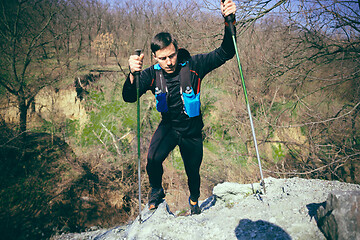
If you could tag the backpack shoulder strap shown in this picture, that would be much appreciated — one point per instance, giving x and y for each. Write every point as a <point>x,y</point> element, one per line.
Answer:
<point>185,77</point>
<point>160,81</point>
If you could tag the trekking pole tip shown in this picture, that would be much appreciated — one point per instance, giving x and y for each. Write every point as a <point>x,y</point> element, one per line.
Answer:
<point>262,183</point>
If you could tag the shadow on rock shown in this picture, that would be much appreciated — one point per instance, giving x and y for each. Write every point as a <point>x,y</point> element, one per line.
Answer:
<point>260,230</point>
<point>208,203</point>
<point>313,207</point>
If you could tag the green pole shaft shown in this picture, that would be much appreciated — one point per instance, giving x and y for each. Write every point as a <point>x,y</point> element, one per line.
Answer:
<point>139,153</point>
<point>249,111</point>
<point>138,148</point>
<point>137,80</point>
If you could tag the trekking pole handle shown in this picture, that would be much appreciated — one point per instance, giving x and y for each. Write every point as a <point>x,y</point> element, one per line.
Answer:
<point>230,22</point>
<point>137,73</point>
<point>138,52</point>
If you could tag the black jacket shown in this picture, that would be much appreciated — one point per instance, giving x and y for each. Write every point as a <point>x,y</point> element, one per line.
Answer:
<point>200,65</point>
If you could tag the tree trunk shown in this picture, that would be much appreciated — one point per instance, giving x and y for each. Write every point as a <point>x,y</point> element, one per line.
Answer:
<point>23,117</point>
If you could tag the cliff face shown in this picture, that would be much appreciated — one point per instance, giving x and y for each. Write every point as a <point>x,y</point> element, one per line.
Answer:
<point>50,104</point>
<point>236,211</point>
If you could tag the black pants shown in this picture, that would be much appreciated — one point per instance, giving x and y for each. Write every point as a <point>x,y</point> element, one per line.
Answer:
<point>164,140</point>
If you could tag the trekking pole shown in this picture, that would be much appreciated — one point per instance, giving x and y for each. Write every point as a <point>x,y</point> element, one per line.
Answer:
<point>137,80</point>
<point>230,19</point>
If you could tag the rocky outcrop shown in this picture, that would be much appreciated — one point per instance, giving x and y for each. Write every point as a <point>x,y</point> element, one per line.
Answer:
<point>339,218</point>
<point>288,210</point>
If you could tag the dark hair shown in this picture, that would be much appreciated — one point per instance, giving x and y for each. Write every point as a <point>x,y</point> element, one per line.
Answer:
<point>162,40</point>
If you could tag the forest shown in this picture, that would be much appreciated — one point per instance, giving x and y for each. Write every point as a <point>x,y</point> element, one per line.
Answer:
<point>68,150</point>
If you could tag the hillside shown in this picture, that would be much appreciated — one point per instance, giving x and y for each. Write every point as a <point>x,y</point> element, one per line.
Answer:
<point>97,184</point>
<point>286,211</point>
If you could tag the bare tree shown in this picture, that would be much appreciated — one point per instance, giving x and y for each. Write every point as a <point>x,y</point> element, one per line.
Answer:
<point>26,64</point>
<point>320,70</point>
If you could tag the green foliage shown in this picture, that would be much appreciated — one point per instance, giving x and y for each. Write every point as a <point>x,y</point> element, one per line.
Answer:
<point>278,106</point>
<point>357,141</point>
<point>113,115</point>
<point>207,103</point>
<point>271,131</point>
<point>176,159</point>
<point>211,146</point>
<point>303,130</point>
<point>2,91</point>
<point>289,107</point>
<point>67,128</point>
<point>236,152</point>
<point>241,156</point>
<point>219,137</point>
<point>277,152</point>
<point>46,126</point>
<point>254,108</point>
<point>72,126</point>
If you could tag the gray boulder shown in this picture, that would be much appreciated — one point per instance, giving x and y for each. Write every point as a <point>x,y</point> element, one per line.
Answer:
<point>340,218</point>
<point>236,211</point>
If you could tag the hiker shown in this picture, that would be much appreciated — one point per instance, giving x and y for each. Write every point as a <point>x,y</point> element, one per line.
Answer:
<point>175,81</point>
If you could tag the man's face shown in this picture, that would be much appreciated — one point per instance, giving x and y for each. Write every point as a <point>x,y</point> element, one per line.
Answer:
<point>167,58</point>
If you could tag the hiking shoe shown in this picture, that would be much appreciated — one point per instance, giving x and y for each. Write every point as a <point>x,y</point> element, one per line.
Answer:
<point>156,197</point>
<point>194,207</point>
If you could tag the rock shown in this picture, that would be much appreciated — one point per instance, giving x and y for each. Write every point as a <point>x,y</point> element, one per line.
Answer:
<point>230,193</point>
<point>237,211</point>
<point>340,218</point>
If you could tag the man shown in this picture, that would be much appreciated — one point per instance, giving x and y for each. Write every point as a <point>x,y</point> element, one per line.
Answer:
<point>175,81</point>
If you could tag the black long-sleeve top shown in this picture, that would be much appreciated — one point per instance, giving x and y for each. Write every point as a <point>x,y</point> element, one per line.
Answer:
<point>200,65</point>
